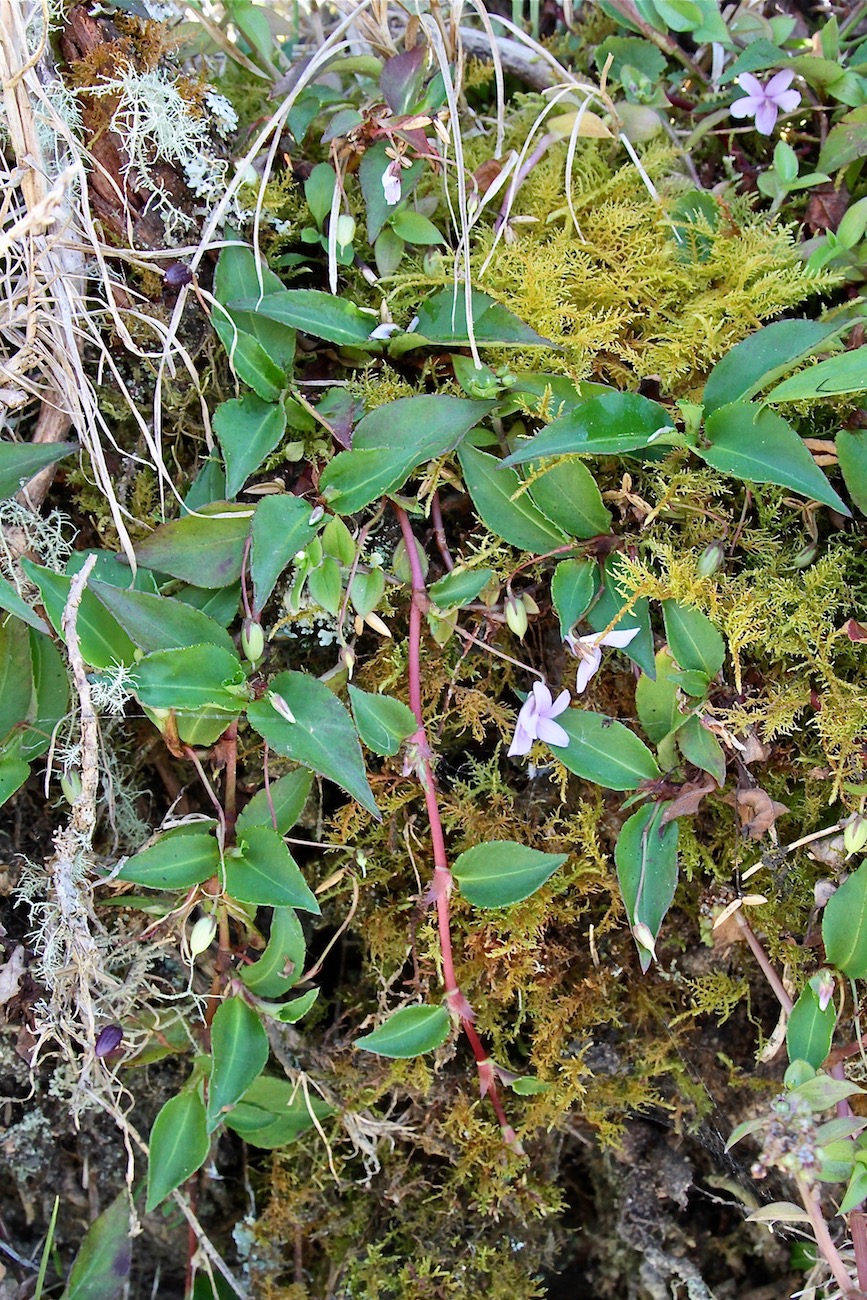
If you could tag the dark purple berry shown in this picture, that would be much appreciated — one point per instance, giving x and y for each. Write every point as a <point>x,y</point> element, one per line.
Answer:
<point>108,1039</point>
<point>177,275</point>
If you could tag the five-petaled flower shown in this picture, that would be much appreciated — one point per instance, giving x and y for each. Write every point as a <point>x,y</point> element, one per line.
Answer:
<point>589,650</point>
<point>764,102</point>
<point>536,720</point>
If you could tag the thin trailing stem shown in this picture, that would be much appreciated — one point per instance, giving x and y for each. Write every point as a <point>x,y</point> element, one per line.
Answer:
<point>823,1236</point>
<point>764,961</point>
<point>442,877</point>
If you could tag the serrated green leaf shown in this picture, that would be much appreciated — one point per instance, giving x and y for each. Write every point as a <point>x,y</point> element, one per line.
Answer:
<point>239,1051</point>
<point>844,925</point>
<point>282,963</point>
<point>102,641</point>
<point>460,587</point>
<point>178,1146</point>
<point>383,723</point>
<point>604,751</point>
<point>249,430</point>
<point>692,638</point>
<point>573,587</point>
<point>174,862</point>
<point>809,1031</point>
<point>646,858</point>
<point>281,528</point>
<point>656,701</point>
<point>500,873</point>
<point>322,736</point>
<point>756,445</point>
<point>410,1032</point>
<point>610,423</point>
<point>286,797</point>
<point>159,623</point>
<point>205,549</point>
<point>518,522</point>
<point>264,872</point>
<point>567,494</point>
<point>19,461</point>
<point>191,679</point>
<point>763,357</point>
<point>101,1267</point>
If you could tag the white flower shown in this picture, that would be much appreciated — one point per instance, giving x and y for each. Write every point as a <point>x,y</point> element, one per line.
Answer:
<point>536,720</point>
<point>391,184</point>
<point>589,650</point>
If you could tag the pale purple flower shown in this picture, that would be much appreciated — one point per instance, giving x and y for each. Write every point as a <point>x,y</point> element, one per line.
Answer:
<point>589,650</point>
<point>391,183</point>
<point>536,720</point>
<point>765,102</point>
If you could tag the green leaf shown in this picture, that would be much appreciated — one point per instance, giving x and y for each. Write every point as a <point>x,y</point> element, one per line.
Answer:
<point>287,797</point>
<point>204,549</point>
<point>219,603</point>
<point>701,748</point>
<point>192,678</point>
<point>265,872</point>
<point>414,228</point>
<point>174,862</point>
<point>383,723</point>
<point>856,1192</point>
<point>102,1265</point>
<point>16,675</point>
<point>319,191</point>
<point>13,604</point>
<point>500,873</point>
<point>179,1145</point>
<point>692,638</point>
<point>604,751</point>
<point>101,639</point>
<point>809,1030</point>
<point>367,591</point>
<point>282,963</point>
<point>50,697</point>
<point>460,587</point>
<point>517,522</point>
<point>852,455</point>
<point>19,461</point>
<point>391,441</point>
<point>239,1049</point>
<point>13,773</point>
<point>609,424</point>
<point>844,926</point>
<point>273,1113</point>
<point>442,319</point>
<point>846,373</point>
<point>756,445</point>
<point>573,587</point>
<point>281,528</point>
<point>261,351</point>
<point>249,430</point>
<point>337,320</point>
<point>646,858</point>
<point>322,737</point>
<point>326,585</point>
<point>410,1032</point>
<point>370,171</point>
<point>160,623</point>
<point>763,357</point>
<point>567,494</point>
<point>845,142</point>
<point>289,1013</point>
<point>656,701</point>
<point>606,608</point>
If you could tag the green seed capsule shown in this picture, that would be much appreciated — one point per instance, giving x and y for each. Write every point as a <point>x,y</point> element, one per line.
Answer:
<point>855,834</point>
<point>252,640</point>
<point>711,559</point>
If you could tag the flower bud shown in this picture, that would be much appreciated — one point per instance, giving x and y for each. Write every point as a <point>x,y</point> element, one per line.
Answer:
<point>806,556</point>
<point>70,784</point>
<point>516,615</point>
<point>108,1040</point>
<point>711,559</point>
<point>202,934</point>
<point>823,985</point>
<point>279,705</point>
<point>644,937</point>
<point>855,834</point>
<point>252,640</point>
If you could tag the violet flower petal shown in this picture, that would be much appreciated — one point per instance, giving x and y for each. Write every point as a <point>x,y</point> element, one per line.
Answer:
<point>766,117</point>
<point>552,733</point>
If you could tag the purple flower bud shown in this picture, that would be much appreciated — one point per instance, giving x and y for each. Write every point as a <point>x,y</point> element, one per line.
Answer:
<point>108,1040</point>
<point>177,275</point>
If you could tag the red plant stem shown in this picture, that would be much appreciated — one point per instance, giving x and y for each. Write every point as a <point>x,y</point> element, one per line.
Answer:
<point>440,532</point>
<point>454,996</point>
<point>762,958</point>
<point>245,598</point>
<point>823,1237</point>
<point>230,797</point>
<point>858,1233</point>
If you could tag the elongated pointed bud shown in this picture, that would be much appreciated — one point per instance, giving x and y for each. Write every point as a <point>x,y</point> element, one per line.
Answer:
<point>202,934</point>
<point>252,640</point>
<point>516,615</point>
<point>279,705</point>
<point>823,985</point>
<point>70,784</point>
<point>855,834</point>
<point>711,559</point>
<point>643,936</point>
